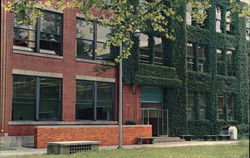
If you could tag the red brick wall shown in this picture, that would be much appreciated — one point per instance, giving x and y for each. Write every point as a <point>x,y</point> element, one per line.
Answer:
<point>108,135</point>
<point>131,103</point>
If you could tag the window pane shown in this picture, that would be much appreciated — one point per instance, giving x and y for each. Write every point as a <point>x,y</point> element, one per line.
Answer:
<point>85,100</point>
<point>144,49</point>
<point>103,53</point>
<point>50,41</point>
<point>102,32</point>
<point>105,92</point>
<point>190,50</point>
<point>23,106</point>
<point>190,99</point>
<point>49,88</point>
<point>49,109</point>
<point>50,103</point>
<point>201,52</point>
<point>84,49</point>
<point>104,113</point>
<point>84,30</point>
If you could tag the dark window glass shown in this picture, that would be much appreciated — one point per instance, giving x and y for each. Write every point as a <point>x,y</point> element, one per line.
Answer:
<point>84,100</point>
<point>220,111</point>
<point>104,101</point>
<point>230,107</point>
<point>190,105</point>
<point>201,59</point>
<point>229,63</point>
<point>44,37</point>
<point>202,102</point>
<point>190,56</point>
<point>23,107</point>
<point>49,99</point>
<point>94,94</point>
<point>36,98</point>
<point>220,65</point>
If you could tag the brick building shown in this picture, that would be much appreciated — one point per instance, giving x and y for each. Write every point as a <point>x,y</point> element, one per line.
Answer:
<point>50,90</point>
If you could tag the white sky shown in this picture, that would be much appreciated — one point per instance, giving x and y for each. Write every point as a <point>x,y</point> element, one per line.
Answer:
<point>246,1</point>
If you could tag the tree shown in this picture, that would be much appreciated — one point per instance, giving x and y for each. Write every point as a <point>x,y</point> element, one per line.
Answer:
<point>122,16</point>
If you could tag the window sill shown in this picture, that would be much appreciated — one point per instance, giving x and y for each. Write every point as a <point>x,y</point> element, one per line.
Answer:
<point>104,62</point>
<point>84,122</point>
<point>36,54</point>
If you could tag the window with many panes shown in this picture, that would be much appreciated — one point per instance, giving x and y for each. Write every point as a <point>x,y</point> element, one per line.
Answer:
<point>151,49</point>
<point>220,106</point>
<point>196,57</point>
<point>43,37</point>
<point>203,105</point>
<point>94,100</point>
<point>36,98</point>
<point>91,38</point>
<point>190,106</point>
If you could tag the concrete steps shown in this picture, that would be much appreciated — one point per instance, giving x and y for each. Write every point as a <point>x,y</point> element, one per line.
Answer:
<point>166,139</point>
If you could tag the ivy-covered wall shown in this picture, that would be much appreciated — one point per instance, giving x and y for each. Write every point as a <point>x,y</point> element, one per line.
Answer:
<point>177,80</point>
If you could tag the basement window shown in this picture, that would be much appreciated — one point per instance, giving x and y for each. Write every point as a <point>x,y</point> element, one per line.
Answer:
<point>43,37</point>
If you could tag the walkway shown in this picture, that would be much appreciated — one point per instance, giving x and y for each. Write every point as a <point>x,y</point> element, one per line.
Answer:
<point>32,151</point>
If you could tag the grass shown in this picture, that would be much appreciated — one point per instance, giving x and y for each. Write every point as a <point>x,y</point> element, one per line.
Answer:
<point>216,151</point>
<point>2,149</point>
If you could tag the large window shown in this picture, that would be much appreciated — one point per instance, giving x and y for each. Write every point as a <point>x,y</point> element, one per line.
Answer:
<point>151,49</point>
<point>91,38</point>
<point>94,100</point>
<point>43,37</point>
<point>225,106</point>
<point>196,57</point>
<point>36,98</point>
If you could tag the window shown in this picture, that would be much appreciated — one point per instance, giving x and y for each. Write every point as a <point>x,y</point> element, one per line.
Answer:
<point>190,57</point>
<point>94,100</point>
<point>220,65</point>
<point>36,98</point>
<point>43,37</point>
<point>201,59</point>
<point>218,19</point>
<point>229,63</point>
<point>188,14</point>
<point>220,111</point>
<point>190,105</point>
<point>230,106</point>
<point>151,49</point>
<point>203,105</point>
<point>90,41</point>
<point>228,23</point>
<point>247,30</point>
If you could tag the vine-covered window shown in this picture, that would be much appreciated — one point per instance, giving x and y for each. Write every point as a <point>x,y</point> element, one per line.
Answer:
<point>151,49</point>
<point>229,63</point>
<point>94,100</point>
<point>218,19</point>
<point>230,106</point>
<point>203,106</point>
<point>190,106</point>
<point>91,38</point>
<point>220,65</point>
<point>247,30</point>
<point>36,98</point>
<point>190,57</point>
<point>201,59</point>
<point>43,37</point>
<point>220,106</point>
<point>188,15</point>
<point>228,23</point>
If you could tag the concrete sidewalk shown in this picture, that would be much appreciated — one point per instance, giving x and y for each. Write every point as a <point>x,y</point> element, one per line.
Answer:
<point>32,151</point>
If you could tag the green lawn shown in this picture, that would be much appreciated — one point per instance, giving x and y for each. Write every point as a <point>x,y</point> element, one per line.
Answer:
<point>218,151</point>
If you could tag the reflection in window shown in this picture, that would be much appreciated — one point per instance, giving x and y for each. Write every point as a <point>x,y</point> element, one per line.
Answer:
<point>218,19</point>
<point>91,38</point>
<point>190,57</point>
<point>43,37</point>
<point>247,30</point>
<point>36,98</point>
<point>94,98</point>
